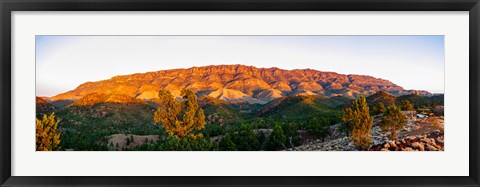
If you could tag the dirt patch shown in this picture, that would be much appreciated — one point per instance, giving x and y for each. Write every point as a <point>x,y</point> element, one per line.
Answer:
<point>124,141</point>
<point>421,126</point>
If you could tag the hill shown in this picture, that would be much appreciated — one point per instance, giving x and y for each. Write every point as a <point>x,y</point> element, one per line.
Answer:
<point>43,106</point>
<point>85,127</point>
<point>238,83</point>
<point>303,107</point>
<point>95,98</point>
<point>219,112</point>
<point>381,96</point>
<point>418,100</point>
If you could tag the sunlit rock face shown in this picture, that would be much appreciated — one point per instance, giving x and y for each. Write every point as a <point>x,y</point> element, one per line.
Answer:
<point>237,83</point>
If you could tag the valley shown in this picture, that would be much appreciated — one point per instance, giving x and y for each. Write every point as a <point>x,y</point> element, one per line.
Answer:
<point>244,108</point>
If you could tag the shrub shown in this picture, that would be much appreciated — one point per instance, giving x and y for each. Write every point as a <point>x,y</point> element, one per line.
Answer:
<point>319,128</point>
<point>392,121</point>
<point>358,122</point>
<point>227,144</point>
<point>47,137</point>
<point>179,118</point>
<point>245,139</point>
<point>276,140</point>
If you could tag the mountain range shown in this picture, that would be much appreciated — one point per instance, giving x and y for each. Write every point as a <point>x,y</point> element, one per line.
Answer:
<point>234,84</point>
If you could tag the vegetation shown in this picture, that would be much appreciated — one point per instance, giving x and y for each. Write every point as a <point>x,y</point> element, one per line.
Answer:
<point>392,121</point>
<point>227,144</point>
<point>319,128</point>
<point>245,139</point>
<point>47,137</point>
<point>179,117</point>
<point>276,141</point>
<point>211,124</point>
<point>436,124</point>
<point>358,122</point>
<point>406,105</point>
<point>379,108</point>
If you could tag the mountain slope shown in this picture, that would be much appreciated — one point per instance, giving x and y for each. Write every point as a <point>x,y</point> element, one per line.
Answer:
<point>43,106</point>
<point>238,83</point>
<point>303,107</point>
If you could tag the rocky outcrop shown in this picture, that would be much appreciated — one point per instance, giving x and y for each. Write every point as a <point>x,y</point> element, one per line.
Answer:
<point>95,98</point>
<point>237,83</point>
<point>429,142</point>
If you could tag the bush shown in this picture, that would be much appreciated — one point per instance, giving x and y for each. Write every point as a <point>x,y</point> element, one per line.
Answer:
<point>188,143</point>
<point>392,121</point>
<point>245,139</point>
<point>291,133</point>
<point>276,140</point>
<point>319,128</point>
<point>227,144</point>
<point>357,122</point>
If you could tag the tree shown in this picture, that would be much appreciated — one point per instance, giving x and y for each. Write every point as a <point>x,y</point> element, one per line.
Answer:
<point>346,125</point>
<point>245,139</point>
<point>291,132</point>
<point>379,108</point>
<point>406,105</point>
<point>393,120</point>
<point>358,122</point>
<point>276,140</point>
<point>128,141</point>
<point>318,128</point>
<point>227,144</point>
<point>47,137</point>
<point>179,117</point>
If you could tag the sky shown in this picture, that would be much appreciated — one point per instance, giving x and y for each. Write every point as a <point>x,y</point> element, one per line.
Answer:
<point>65,62</point>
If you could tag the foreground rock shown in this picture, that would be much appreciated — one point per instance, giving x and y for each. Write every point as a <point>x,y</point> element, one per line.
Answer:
<point>429,142</point>
<point>340,144</point>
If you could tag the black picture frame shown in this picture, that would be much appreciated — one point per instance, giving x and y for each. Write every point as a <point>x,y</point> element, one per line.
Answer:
<point>7,6</point>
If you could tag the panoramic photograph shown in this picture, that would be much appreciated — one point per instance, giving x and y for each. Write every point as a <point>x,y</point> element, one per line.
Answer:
<point>239,93</point>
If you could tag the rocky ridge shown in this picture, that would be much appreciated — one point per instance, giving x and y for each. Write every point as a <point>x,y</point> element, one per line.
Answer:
<point>238,83</point>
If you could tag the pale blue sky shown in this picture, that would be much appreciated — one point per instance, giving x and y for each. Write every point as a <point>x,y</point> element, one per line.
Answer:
<point>64,62</point>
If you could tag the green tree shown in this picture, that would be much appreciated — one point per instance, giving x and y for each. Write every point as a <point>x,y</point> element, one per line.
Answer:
<point>245,139</point>
<point>406,105</point>
<point>276,140</point>
<point>47,136</point>
<point>227,144</point>
<point>187,143</point>
<point>291,132</point>
<point>179,117</point>
<point>379,108</point>
<point>358,122</point>
<point>392,120</point>
<point>318,128</point>
<point>128,141</point>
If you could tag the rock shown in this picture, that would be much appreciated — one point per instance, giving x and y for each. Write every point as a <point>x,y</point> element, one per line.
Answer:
<point>440,141</point>
<point>392,144</point>
<point>431,148</point>
<point>407,149</point>
<point>387,145</point>
<point>239,80</point>
<point>419,146</point>
<point>411,138</point>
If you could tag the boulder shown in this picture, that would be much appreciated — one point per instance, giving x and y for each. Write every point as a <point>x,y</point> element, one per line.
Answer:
<point>431,148</point>
<point>419,146</point>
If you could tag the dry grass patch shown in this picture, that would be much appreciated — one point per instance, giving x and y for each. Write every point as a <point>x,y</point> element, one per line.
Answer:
<point>121,141</point>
